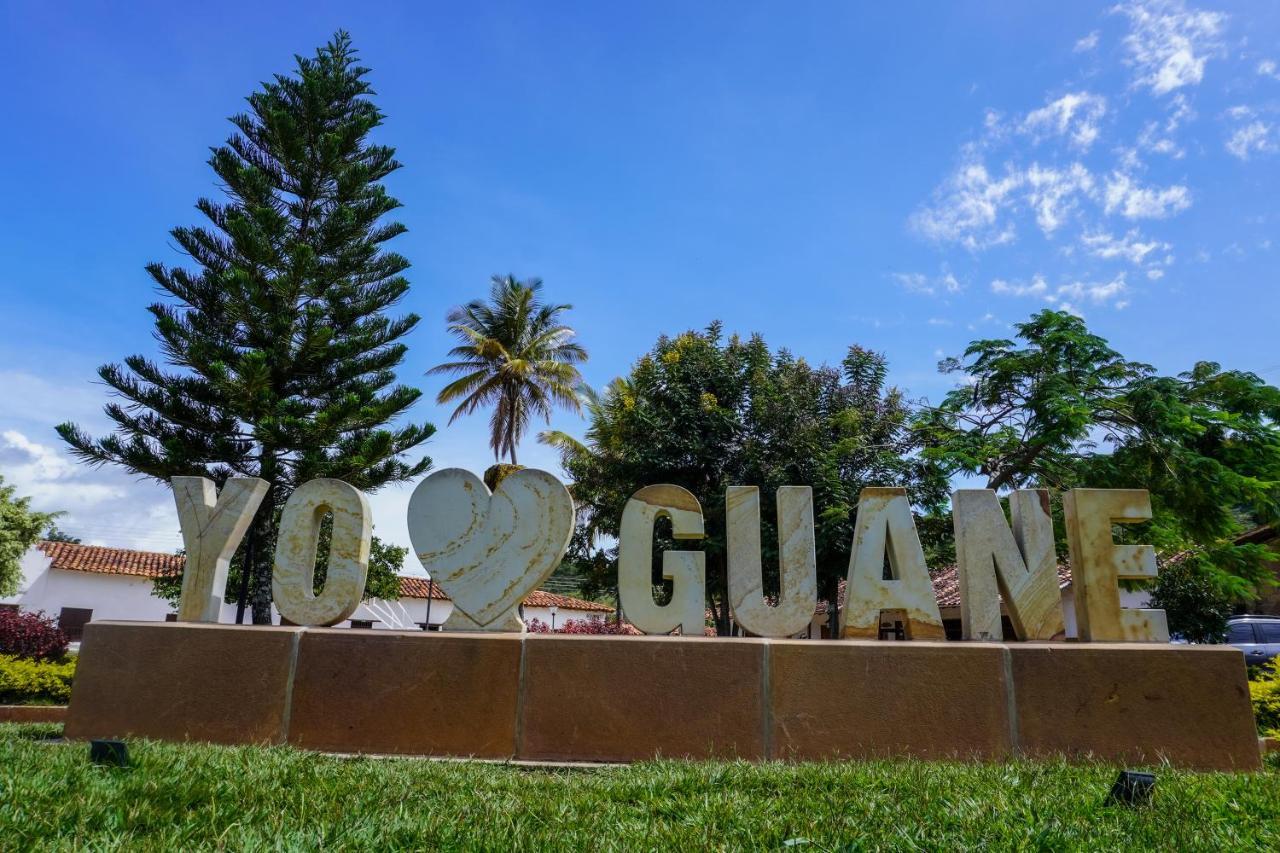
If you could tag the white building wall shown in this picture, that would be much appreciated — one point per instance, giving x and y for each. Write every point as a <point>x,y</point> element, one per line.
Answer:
<point>128,597</point>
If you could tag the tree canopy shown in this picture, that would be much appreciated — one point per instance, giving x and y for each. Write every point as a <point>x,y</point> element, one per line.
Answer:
<point>516,355</point>
<point>279,349</point>
<point>704,413</point>
<point>20,528</point>
<point>1060,409</point>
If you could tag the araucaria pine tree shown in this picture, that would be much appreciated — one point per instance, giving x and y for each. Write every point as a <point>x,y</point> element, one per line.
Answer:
<point>280,351</point>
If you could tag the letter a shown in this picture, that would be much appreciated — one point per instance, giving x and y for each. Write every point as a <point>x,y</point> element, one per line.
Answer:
<point>884,527</point>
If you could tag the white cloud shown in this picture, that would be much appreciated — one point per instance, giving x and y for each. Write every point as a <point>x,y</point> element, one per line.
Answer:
<point>102,506</point>
<point>938,321</point>
<point>1132,201</point>
<point>1151,140</point>
<point>915,282</point>
<point>1037,287</point>
<point>1067,296</point>
<point>1052,193</point>
<point>1087,43</point>
<point>1131,247</point>
<point>1169,44</point>
<point>1252,138</point>
<point>967,207</point>
<point>1267,68</point>
<point>1075,115</point>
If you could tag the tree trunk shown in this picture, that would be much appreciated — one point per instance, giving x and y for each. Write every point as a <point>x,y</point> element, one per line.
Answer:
<point>264,544</point>
<point>833,608</point>
<point>264,556</point>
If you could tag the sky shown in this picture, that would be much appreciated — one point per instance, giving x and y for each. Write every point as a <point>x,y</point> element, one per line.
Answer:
<point>907,176</point>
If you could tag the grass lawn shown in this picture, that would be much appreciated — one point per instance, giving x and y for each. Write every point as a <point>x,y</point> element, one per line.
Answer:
<point>185,797</point>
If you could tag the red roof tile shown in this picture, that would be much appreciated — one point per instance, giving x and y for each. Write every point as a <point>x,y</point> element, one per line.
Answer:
<point>417,587</point>
<point>71,557</point>
<point>946,586</point>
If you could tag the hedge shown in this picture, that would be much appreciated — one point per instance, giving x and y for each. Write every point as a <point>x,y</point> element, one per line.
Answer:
<point>24,681</point>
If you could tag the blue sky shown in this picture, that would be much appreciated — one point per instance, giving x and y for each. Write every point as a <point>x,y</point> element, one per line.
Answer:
<point>905,176</point>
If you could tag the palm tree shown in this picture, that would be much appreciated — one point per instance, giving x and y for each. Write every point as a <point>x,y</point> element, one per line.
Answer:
<point>515,355</point>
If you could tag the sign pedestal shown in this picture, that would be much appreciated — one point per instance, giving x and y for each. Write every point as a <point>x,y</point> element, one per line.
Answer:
<point>593,699</point>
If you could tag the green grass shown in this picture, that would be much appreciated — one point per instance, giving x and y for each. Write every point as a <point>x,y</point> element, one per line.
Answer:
<point>189,797</point>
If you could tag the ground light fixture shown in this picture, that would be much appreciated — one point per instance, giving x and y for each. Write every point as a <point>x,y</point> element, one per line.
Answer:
<point>109,753</point>
<point>1132,788</point>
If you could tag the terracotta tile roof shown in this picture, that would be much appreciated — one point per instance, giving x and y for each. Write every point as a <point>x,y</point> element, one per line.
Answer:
<point>417,587</point>
<point>542,598</point>
<point>946,586</point>
<point>71,557</point>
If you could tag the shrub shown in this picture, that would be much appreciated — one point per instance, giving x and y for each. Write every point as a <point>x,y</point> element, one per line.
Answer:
<point>24,681</point>
<point>1264,690</point>
<point>582,626</point>
<point>31,635</point>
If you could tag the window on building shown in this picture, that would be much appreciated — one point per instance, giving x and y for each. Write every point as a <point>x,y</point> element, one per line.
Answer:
<point>72,621</point>
<point>362,623</point>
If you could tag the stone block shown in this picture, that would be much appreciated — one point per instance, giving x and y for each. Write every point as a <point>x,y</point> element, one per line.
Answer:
<point>1135,704</point>
<point>32,713</point>
<point>182,681</point>
<point>632,698</point>
<point>411,692</point>
<point>873,699</point>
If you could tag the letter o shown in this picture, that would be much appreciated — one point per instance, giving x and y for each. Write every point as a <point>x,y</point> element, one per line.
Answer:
<point>293,581</point>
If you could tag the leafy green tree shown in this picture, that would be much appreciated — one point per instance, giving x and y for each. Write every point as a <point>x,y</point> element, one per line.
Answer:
<point>703,413</point>
<point>57,534</point>
<point>1194,602</point>
<point>383,581</point>
<point>20,528</point>
<point>516,355</point>
<point>1063,410</point>
<point>282,350</point>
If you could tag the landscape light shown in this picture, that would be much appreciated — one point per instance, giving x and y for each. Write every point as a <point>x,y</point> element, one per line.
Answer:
<point>109,753</point>
<point>1132,787</point>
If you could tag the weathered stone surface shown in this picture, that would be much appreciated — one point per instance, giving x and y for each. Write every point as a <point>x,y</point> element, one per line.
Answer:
<point>32,713</point>
<point>547,697</point>
<point>488,551</point>
<point>181,681</point>
<point>868,699</point>
<point>1097,563</point>
<point>884,527</point>
<point>293,579</point>
<point>1019,564</point>
<point>630,698</point>
<point>212,526</point>
<point>1135,704</point>
<point>798,565</point>
<point>685,569</point>
<point>417,693</point>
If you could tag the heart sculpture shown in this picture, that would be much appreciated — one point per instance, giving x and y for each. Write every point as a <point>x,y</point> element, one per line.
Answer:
<point>489,551</point>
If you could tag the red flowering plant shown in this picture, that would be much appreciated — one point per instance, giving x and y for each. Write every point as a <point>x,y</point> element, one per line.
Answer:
<point>582,626</point>
<point>31,635</point>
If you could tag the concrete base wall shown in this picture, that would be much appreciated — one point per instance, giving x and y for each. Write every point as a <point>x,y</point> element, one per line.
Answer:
<point>584,698</point>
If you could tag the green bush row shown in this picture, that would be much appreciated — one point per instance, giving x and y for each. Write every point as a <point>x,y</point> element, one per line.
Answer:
<point>1264,690</point>
<point>32,682</point>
